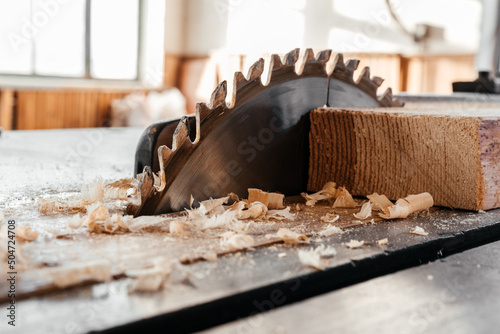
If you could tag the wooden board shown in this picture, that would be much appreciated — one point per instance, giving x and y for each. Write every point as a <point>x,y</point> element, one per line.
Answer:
<point>452,152</point>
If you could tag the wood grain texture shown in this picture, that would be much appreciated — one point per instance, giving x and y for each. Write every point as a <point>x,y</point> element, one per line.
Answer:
<point>452,153</point>
<point>56,109</point>
<point>7,109</point>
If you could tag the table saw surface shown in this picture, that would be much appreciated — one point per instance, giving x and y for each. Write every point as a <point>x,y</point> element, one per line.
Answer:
<point>373,281</point>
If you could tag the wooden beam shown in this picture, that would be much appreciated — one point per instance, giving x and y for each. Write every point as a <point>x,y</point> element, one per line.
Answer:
<point>451,152</point>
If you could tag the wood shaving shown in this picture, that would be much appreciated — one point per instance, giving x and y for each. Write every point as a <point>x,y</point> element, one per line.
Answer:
<point>93,192</point>
<point>176,227</point>
<point>255,210</point>
<point>292,237</point>
<point>238,241</point>
<point>75,273</point>
<point>382,242</point>
<point>365,212</point>
<point>282,255</point>
<point>297,207</point>
<point>330,230</point>
<point>270,200</point>
<point>344,199</point>
<point>408,205</point>
<point>328,192</point>
<point>315,257</point>
<point>26,233</point>
<point>151,279</point>
<point>354,244</point>
<point>280,214</point>
<point>379,202</point>
<point>210,256</point>
<point>121,189</point>
<point>330,218</point>
<point>419,231</point>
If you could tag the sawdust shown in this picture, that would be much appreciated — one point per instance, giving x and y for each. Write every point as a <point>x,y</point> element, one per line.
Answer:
<point>330,230</point>
<point>382,242</point>
<point>237,241</point>
<point>330,217</point>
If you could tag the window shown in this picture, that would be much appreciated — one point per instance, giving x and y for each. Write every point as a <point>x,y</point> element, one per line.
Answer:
<point>92,39</point>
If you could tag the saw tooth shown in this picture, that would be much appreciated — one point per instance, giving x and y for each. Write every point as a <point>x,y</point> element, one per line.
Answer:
<point>352,64</point>
<point>256,69</point>
<point>377,81</point>
<point>324,56</point>
<point>181,134</point>
<point>309,55</point>
<point>365,74</point>
<point>146,183</point>
<point>202,110</point>
<point>239,80</point>
<point>275,62</point>
<point>219,94</point>
<point>292,57</point>
<point>164,155</point>
<point>386,99</point>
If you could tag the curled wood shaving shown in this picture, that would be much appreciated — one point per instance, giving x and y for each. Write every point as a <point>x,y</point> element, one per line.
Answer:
<point>344,199</point>
<point>379,202</point>
<point>93,192</point>
<point>327,192</point>
<point>292,237</point>
<point>75,273</point>
<point>330,218</point>
<point>26,233</point>
<point>255,210</point>
<point>419,231</point>
<point>270,200</point>
<point>280,214</point>
<point>315,257</point>
<point>365,212</point>
<point>237,241</point>
<point>354,244</point>
<point>121,189</point>
<point>405,206</point>
<point>330,230</point>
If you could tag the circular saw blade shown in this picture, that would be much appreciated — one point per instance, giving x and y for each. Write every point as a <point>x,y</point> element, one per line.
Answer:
<point>260,140</point>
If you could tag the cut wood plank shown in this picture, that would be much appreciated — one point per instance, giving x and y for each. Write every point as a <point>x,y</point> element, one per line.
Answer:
<point>452,153</point>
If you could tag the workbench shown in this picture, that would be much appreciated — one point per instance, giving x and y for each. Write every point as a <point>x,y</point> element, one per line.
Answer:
<point>391,288</point>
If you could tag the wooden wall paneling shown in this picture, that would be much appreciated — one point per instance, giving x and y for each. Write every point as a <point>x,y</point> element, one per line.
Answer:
<point>436,73</point>
<point>171,70</point>
<point>7,109</point>
<point>197,80</point>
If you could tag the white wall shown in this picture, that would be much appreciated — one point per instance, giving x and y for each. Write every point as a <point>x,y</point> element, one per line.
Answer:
<point>260,26</point>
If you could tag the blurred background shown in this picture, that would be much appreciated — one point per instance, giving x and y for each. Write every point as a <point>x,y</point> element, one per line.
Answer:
<point>92,63</point>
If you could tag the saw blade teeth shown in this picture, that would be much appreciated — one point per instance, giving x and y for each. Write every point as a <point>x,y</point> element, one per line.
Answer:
<point>164,155</point>
<point>352,64</point>
<point>202,110</point>
<point>239,80</point>
<point>275,62</point>
<point>309,55</point>
<point>219,94</point>
<point>324,56</point>
<point>256,69</point>
<point>146,183</point>
<point>292,57</point>
<point>181,134</point>
<point>386,99</point>
<point>377,81</point>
